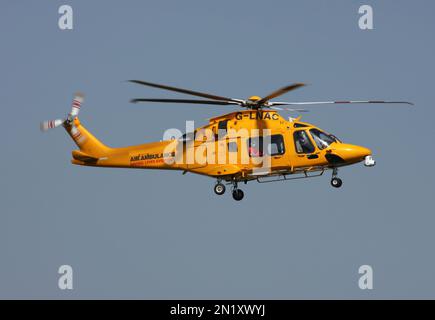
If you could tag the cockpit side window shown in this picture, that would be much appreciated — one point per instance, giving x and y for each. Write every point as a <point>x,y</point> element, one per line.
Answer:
<point>303,143</point>
<point>322,139</point>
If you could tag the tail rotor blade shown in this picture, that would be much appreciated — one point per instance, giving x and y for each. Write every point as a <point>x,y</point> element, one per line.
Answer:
<point>76,104</point>
<point>51,124</point>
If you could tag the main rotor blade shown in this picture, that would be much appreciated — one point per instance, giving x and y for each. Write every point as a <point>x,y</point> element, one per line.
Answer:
<point>187,101</point>
<point>336,102</point>
<point>185,91</point>
<point>279,92</point>
<point>289,109</point>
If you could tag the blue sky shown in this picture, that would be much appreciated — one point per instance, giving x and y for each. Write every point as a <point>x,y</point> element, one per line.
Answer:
<point>153,234</point>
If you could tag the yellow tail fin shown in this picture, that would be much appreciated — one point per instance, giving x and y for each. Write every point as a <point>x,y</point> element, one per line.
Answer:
<point>86,141</point>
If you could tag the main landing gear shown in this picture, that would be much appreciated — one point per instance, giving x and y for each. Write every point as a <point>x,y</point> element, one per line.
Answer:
<point>238,194</point>
<point>219,189</point>
<point>335,181</point>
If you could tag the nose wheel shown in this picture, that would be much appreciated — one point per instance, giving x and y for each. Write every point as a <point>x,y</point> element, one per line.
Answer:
<point>335,181</point>
<point>219,189</point>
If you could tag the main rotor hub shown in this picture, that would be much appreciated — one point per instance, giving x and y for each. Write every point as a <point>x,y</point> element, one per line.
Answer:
<point>254,98</point>
<point>252,104</point>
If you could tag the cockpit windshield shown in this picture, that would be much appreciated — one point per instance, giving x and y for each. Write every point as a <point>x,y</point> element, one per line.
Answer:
<point>322,139</point>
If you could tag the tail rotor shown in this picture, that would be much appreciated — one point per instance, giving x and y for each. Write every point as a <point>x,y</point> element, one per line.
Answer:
<point>76,104</point>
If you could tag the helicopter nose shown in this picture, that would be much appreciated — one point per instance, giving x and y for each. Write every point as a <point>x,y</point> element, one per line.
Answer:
<point>352,153</point>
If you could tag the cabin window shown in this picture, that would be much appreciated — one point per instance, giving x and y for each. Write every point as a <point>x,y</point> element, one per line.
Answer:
<point>223,125</point>
<point>222,128</point>
<point>188,136</point>
<point>255,147</point>
<point>275,146</point>
<point>303,144</point>
<point>232,146</point>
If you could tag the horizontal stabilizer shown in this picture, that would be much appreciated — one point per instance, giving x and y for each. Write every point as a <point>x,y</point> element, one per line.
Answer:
<point>81,156</point>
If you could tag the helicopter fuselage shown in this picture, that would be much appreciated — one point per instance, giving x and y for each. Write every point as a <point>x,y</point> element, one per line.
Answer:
<point>239,146</point>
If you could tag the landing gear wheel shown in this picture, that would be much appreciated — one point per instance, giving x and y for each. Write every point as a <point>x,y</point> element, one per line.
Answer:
<point>219,189</point>
<point>238,194</point>
<point>336,182</point>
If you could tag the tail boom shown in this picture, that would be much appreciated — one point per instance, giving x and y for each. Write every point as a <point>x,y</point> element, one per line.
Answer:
<point>94,153</point>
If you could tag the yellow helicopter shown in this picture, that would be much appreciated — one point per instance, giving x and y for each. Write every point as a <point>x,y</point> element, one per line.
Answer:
<point>255,143</point>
